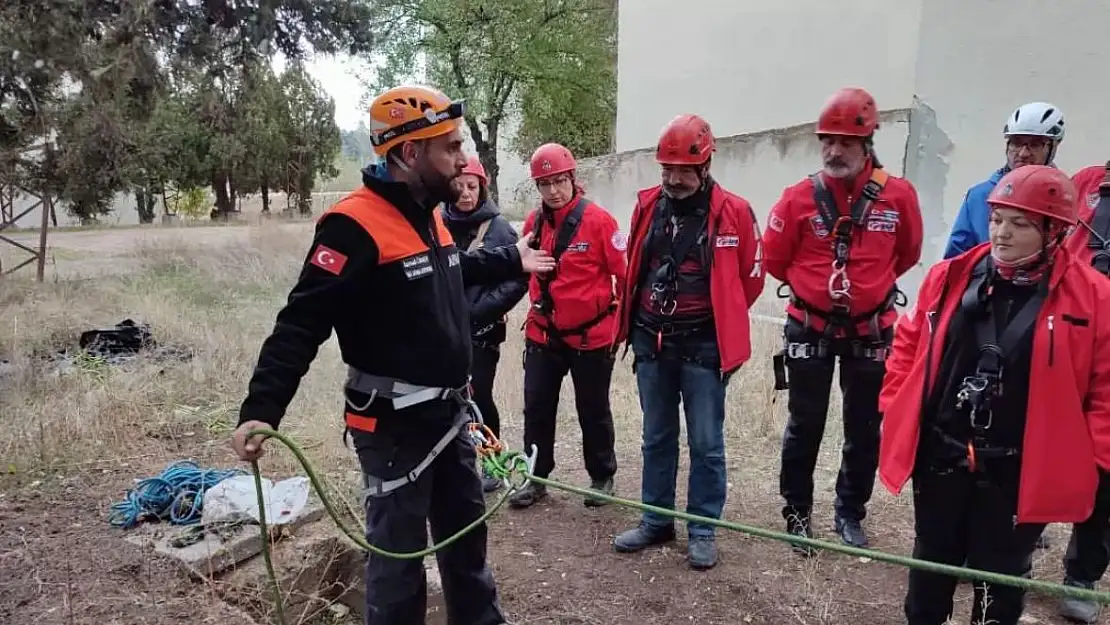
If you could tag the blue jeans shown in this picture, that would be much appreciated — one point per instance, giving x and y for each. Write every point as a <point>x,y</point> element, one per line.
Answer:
<point>687,369</point>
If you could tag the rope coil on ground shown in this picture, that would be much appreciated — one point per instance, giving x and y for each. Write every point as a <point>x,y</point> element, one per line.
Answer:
<point>515,469</point>
<point>176,494</point>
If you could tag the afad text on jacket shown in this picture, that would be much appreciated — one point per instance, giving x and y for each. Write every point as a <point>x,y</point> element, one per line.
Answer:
<point>798,247</point>
<point>1067,431</point>
<point>735,274</point>
<point>583,287</point>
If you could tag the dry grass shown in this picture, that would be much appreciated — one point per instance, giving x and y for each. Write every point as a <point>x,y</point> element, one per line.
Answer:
<point>219,301</point>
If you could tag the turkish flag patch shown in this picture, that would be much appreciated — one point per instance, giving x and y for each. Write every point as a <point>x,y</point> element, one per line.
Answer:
<point>328,259</point>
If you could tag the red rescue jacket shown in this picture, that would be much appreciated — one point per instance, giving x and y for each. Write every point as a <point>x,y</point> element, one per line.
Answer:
<point>1087,181</point>
<point>798,247</point>
<point>735,273</point>
<point>583,287</point>
<point>1067,428</point>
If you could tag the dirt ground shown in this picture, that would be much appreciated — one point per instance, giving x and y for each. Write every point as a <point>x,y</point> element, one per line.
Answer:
<point>61,563</point>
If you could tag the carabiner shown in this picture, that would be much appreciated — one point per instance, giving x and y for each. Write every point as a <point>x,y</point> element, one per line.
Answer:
<point>844,289</point>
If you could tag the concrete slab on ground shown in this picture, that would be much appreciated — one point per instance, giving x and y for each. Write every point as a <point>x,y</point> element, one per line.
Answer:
<point>217,549</point>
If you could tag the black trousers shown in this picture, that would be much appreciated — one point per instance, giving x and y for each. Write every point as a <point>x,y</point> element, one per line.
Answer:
<point>808,404</point>
<point>960,515</point>
<point>1088,550</point>
<point>591,372</point>
<point>448,496</point>
<point>483,372</point>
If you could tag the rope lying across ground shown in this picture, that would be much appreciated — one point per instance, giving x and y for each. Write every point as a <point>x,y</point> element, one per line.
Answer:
<point>516,470</point>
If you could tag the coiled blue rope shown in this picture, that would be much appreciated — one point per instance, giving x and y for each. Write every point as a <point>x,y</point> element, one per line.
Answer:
<point>177,495</point>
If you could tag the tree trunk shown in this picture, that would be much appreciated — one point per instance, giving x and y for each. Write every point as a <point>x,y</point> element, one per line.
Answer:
<point>224,205</point>
<point>265,200</point>
<point>144,205</point>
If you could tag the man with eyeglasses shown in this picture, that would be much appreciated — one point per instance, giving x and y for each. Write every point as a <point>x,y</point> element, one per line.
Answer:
<point>385,274</point>
<point>1033,134</point>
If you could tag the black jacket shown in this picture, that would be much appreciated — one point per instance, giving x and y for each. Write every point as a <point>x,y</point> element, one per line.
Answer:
<point>410,326</point>
<point>488,302</point>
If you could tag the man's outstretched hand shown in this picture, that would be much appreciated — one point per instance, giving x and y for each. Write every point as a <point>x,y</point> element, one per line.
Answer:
<point>533,261</point>
<point>249,449</point>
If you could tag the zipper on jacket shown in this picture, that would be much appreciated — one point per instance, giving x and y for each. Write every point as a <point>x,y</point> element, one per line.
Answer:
<point>1051,339</point>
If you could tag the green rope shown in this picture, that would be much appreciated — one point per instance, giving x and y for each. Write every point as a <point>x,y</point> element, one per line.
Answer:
<point>514,468</point>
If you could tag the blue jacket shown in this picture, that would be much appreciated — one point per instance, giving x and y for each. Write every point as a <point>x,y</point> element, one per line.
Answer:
<point>488,302</point>
<point>971,227</point>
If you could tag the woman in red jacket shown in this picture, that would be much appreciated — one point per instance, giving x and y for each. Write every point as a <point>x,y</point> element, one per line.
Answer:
<point>571,323</point>
<point>996,398</point>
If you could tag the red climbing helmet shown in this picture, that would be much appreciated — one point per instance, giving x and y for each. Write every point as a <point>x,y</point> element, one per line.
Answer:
<point>850,111</point>
<point>686,140</point>
<point>474,168</point>
<point>550,159</point>
<point>1038,189</point>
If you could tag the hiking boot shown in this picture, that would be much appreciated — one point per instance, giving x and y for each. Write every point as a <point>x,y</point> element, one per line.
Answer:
<point>639,538</point>
<point>491,484</point>
<point>1078,610</point>
<point>701,553</point>
<point>850,531</point>
<point>604,486</point>
<point>530,494</point>
<point>797,524</point>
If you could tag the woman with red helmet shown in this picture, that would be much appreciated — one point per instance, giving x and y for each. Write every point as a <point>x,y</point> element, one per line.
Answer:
<point>996,399</point>
<point>570,324</point>
<point>475,222</point>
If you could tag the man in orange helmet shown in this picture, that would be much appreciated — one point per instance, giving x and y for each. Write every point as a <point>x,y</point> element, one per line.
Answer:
<point>385,274</point>
<point>694,261</point>
<point>839,240</point>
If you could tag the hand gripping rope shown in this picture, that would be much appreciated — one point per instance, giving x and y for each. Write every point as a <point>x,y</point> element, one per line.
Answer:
<point>515,469</point>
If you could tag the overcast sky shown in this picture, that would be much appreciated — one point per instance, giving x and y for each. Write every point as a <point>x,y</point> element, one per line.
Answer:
<point>343,78</point>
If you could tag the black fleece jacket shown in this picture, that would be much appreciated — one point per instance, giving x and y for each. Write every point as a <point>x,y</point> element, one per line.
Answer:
<point>488,302</point>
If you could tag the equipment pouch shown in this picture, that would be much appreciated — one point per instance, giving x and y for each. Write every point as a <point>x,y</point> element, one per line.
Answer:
<point>781,382</point>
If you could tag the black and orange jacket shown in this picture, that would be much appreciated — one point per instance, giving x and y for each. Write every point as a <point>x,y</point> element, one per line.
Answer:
<point>385,274</point>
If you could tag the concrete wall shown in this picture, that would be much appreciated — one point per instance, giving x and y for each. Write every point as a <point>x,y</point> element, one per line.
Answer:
<point>748,66</point>
<point>757,166</point>
<point>977,61</point>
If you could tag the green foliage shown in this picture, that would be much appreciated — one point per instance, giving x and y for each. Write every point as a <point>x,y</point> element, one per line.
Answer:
<point>99,98</point>
<point>551,61</point>
<point>192,202</point>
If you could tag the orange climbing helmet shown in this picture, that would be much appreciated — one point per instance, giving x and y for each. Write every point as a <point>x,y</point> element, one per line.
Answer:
<point>411,113</point>
<point>1040,189</point>
<point>686,140</point>
<point>850,111</point>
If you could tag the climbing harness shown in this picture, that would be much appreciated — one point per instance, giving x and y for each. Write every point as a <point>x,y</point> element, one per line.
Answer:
<point>1098,239</point>
<point>691,232</point>
<point>545,305</point>
<point>995,345</point>
<point>403,395</point>
<point>842,228</point>
<point>516,469</point>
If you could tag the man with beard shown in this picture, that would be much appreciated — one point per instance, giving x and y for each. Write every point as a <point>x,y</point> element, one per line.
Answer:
<point>694,273</point>
<point>384,272</point>
<point>838,240</point>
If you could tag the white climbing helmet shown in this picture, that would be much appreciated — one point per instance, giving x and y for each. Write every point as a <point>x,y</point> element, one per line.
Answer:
<point>1036,118</point>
